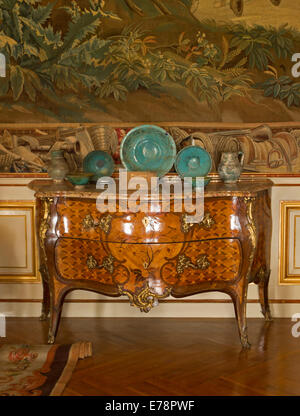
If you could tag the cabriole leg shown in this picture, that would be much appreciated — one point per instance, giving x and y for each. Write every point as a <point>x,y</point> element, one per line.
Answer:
<point>263,295</point>
<point>56,303</point>
<point>239,298</point>
<point>46,293</point>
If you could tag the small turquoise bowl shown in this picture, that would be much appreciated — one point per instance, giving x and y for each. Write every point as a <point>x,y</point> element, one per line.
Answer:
<point>193,161</point>
<point>99,163</point>
<point>79,178</point>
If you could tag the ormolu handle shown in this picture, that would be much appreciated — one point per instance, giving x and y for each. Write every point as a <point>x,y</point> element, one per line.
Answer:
<point>206,223</point>
<point>108,263</point>
<point>185,262</point>
<point>104,223</point>
<point>88,222</point>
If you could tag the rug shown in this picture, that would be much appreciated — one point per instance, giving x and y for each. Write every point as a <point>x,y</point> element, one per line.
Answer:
<point>41,370</point>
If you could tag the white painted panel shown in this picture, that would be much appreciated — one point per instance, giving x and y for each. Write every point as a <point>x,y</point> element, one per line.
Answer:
<point>16,245</point>
<point>13,242</point>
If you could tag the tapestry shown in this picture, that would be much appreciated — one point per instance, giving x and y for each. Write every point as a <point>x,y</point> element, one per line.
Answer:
<point>43,370</point>
<point>149,61</point>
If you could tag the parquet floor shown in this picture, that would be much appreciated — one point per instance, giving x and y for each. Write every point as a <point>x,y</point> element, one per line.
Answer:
<point>174,357</point>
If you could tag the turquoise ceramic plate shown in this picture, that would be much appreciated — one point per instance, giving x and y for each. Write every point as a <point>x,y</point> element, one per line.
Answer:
<point>99,163</point>
<point>148,148</point>
<point>193,161</point>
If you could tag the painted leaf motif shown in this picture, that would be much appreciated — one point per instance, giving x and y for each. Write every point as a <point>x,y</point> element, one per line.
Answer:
<point>78,30</point>
<point>16,81</point>
<point>269,92</point>
<point>6,40</point>
<point>42,13</point>
<point>276,90</point>
<point>29,87</point>
<point>4,86</point>
<point>285,92</point>
<point>290,100</point>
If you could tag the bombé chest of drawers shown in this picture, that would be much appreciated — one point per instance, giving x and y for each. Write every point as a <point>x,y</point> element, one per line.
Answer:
<point>148,256</point>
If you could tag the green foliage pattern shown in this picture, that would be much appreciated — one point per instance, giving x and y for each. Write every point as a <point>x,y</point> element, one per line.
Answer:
<point>215,63</point>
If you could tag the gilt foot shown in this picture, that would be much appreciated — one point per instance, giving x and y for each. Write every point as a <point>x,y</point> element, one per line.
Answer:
<point>267,314</point>
<point>245,343</point>
<point>44,316</point>
<point>51,339</point>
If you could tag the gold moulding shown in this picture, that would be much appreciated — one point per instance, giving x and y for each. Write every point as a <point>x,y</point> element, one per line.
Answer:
<point>44,225</point>
<point>289,275</point>
<point>251,223</point>
<point>252,231</point>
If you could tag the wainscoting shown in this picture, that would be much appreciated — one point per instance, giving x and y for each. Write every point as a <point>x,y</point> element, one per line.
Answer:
<point>290,242</point>
<point>18,254</point>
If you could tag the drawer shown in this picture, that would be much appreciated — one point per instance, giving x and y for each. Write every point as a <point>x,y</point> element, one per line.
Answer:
<point>72,261</point>
<point>221,220</point>
<point>164,265</point>
<point>204,261</point>
<point>81,219</point>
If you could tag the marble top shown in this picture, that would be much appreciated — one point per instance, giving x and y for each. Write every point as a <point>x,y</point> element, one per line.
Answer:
<point>246,187</point>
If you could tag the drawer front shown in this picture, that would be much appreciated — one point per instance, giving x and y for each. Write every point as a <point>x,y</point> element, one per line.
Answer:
<point>221,220</point>
<point>204,261</point>
<point>81,219</point>
<point>162,265</point>
<point>87,260</point>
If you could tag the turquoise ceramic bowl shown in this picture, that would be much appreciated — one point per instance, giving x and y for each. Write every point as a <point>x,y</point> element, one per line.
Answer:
<point>99,163</point>
<point>79,178</point>
<point>148,148</point>
<point>193,161</point>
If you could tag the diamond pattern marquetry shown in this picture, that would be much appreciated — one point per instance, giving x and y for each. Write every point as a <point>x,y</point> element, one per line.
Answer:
<point>72,257</point>
<point>223,212</point>
<point>71,219</point>
<point>222,257</point>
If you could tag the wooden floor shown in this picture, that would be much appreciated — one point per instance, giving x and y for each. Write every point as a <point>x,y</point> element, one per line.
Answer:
<point>173,357</point>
